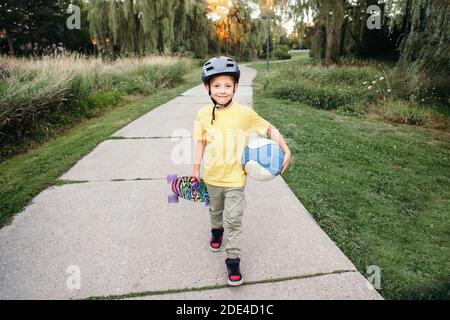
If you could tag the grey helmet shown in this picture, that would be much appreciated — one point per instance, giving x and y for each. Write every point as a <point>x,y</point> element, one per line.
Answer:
<point>220,66</point>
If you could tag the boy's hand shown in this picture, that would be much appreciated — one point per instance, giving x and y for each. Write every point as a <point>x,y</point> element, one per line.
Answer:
<point>196,173</point>
<point>286,162</point>
<point>276,136</point>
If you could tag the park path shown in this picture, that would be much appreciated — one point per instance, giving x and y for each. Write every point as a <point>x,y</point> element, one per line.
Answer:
<point>114,233</point>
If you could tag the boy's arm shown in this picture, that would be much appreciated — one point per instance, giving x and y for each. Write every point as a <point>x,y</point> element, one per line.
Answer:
<point>199,143</point>
<point>276,136</point>
<point>199,150</point>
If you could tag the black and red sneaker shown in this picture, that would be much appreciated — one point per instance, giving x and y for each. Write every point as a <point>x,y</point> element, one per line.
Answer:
<point>234,274</point>
<point>215,243</point>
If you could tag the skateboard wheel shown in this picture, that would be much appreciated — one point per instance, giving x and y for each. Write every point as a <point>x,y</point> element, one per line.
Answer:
<point>171,178</point>
<point>172,198</point>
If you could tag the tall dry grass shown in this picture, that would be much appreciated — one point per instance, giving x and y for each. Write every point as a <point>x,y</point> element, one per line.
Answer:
<point>38,95</point>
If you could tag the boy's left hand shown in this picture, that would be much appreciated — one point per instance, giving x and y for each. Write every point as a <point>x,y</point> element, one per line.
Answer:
<point>286,162</point>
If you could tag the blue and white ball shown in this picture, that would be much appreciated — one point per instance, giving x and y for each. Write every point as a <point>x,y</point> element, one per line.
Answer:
<point>263,159</point>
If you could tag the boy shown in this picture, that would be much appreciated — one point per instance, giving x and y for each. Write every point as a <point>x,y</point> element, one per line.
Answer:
<point>222,131</point>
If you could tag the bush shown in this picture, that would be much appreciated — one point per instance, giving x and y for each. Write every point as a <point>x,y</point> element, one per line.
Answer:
<point>321,97</point>
<point>323,88</point>
<point>355,88</point>
<point>282,52</point>
<point>37,98</point>
<point>411,113</point>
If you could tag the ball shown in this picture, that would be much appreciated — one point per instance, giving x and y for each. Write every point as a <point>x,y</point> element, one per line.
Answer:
<point>262,159</point>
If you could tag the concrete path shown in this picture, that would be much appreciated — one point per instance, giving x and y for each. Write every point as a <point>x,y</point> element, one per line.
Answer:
<point>116,234</point>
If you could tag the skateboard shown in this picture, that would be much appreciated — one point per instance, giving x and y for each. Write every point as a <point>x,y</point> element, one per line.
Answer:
<point>188,188</point>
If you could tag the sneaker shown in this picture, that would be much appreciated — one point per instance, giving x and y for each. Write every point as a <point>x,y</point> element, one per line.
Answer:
<point>215,243</point>
<point>234,274</point>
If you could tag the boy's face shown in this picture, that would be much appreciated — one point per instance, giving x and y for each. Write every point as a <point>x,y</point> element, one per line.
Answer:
<point>222,88</point>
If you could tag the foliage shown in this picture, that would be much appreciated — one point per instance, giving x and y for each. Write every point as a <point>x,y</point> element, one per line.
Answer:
<point>415,31</point>
<point>40,97</point>
<point>282,52</point>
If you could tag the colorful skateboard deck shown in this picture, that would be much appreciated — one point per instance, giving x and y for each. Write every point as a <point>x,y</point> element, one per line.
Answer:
<point>188,188</point>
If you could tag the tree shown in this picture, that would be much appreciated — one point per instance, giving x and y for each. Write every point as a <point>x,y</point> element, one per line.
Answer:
<point>417,29</point>
<point>330,19</point>
<point>425,47</point>
<point>149,26</point>
<point>236,32</point>
<point>341,29</point>
<point>194,30</point>
<point>10,17</point>
<point>31,26</point>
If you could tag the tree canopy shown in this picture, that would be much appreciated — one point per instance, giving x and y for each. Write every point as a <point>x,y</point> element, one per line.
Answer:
<point>415,32</point>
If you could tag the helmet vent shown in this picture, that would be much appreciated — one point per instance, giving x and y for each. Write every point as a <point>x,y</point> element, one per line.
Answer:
<point>230,65</point>
<point>209,68</point>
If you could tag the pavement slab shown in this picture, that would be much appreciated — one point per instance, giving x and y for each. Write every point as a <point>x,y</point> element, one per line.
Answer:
<point>135,159</point>
<point>158,127</point>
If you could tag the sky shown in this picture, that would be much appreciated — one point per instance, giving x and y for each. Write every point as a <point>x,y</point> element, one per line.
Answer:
<point>288,24</point>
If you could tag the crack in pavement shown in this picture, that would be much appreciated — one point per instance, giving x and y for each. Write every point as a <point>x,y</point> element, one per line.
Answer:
<point>165,137</point>
<point>66,181</point>
<point>215,287</point>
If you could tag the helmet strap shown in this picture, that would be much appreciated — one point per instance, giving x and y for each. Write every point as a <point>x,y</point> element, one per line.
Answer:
<point>217,105</point>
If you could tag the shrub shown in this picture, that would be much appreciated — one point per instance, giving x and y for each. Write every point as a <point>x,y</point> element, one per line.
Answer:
<point>323,88</point>
<point>37,97</point>
<point>356,88</point>
<point>401,111</point>
<point>282,52</point>
<point>321,97</point>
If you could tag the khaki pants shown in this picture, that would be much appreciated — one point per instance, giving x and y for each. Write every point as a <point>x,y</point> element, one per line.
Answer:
<point>226,207</point>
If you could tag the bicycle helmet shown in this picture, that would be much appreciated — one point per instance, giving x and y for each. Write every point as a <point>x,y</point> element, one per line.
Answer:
<point>216,67</point>
<point>220,66</point>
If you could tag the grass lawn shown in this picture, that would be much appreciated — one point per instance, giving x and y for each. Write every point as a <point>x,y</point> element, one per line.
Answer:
<point>381,191</point>
<point>24,176</point>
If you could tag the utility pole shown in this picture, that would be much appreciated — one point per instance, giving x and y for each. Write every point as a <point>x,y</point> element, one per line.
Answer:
<point>267,41</point>
<point>226,46</point>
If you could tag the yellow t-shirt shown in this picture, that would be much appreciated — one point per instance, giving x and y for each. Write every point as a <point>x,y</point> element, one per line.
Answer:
<point>226,139</point>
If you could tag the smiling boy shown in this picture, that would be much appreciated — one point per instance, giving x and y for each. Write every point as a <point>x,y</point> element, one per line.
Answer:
<point>221,132</point>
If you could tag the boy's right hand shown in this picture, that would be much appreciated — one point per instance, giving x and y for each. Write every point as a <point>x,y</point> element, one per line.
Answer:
<point>196,173</point>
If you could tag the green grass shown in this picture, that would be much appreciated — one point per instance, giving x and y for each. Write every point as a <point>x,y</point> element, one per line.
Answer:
<point>24,176</point>
<point>380,191</point>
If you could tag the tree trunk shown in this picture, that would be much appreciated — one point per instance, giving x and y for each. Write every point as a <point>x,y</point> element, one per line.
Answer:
<point>332,14</point>
<point>10,42</point>
<point>333,47</point>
